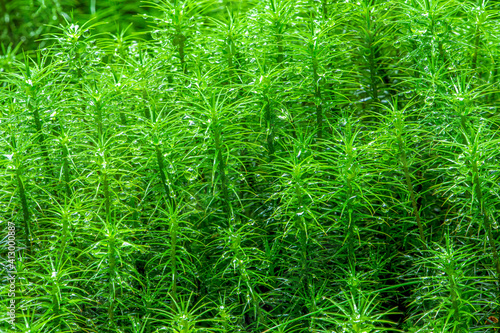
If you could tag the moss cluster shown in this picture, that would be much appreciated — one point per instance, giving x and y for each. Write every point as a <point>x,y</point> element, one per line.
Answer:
<point>251,166</point>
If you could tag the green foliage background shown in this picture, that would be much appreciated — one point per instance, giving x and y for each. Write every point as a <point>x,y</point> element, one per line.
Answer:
<point>251,166</point>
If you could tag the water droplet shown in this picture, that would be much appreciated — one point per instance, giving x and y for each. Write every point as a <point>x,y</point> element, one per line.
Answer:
<point>156,34</point>
<point>384,208</point>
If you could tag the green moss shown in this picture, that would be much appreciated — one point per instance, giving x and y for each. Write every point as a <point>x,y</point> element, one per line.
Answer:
<point>251,166</point>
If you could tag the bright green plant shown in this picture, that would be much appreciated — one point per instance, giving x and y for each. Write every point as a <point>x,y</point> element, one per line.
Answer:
<point>251,166</point>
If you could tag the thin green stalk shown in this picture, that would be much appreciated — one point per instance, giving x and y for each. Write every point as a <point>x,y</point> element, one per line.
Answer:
<point>38,125</point>
<point>246,278</point>
<point>370,47</point>
<point>486,221</point>
<point>465,133</point>
<point>324,7</point>
<point>99,123</point>
<point>492,78</point>
<point>55,302</point>
<point>230,46</point>
<point>62,247</point>
<point>371,62</point>
<point>65,158</point>
<point>107,201</point>
<point>454,299</point>
<point>270,127</point>
<point>350,227</point>
<point>112,275</point>
<point>301,226</point>
<point>24,204</point>
<point>222,167</point>
<point>32,105</point>
<point>230,61</point>
<point>173,253</point>
<point>279,45</point>
<point>179,41</point>
<point>22,196</point>
<point>319,99</point>
<point>351,224</point>
<point>409,183</point>
<point>161,168</point>
<point>479,17</point>
<point>147,114</point>
<point>477,39</point>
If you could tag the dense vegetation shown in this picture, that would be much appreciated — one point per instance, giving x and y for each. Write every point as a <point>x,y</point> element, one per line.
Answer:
<point>251,166</point>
